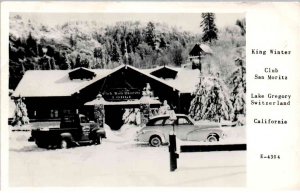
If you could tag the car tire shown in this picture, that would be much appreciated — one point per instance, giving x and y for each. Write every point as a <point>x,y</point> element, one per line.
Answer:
<point>155,141</point>
<point>40,144</point>
<point>64,144</point>
<point>212,138</point>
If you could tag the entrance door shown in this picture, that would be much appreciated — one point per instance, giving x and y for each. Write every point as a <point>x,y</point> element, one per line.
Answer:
<point>113,117</point>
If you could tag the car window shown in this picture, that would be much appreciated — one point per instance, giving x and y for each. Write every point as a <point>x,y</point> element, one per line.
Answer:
<point>169,122</point>
<point>158,122</point>
<point>183,121</point>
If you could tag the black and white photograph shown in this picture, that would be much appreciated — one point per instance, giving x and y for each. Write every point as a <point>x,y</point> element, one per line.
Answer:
<point>127,99</point>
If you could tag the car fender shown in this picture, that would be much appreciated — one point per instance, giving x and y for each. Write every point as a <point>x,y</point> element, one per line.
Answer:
<point>66,136</point>
<point>156,132</point>
<point>196,135</point>
<point>202,134</point>
<point>100,132</point>
<point>217,131</point>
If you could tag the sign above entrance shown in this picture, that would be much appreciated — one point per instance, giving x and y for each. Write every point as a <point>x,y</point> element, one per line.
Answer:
<point>121,94</point>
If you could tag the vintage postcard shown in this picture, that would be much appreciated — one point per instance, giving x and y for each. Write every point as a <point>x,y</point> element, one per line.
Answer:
<point>150,94</point>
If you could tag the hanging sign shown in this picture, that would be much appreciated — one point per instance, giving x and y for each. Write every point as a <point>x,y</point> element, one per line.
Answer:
<point>119,94</point>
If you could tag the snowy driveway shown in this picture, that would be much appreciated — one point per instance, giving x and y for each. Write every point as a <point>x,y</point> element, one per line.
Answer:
<point>120,164</point>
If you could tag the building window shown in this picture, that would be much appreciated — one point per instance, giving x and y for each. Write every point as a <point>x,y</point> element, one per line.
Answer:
<point>67,111</point>
<point>53,113</point>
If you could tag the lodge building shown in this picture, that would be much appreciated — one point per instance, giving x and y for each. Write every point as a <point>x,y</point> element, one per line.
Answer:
<point>49,94</point>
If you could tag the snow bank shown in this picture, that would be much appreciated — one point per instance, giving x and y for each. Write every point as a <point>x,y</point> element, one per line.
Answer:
<point>126,133</point>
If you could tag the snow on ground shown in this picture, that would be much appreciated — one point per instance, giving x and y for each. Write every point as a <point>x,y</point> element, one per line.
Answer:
<point>120,163</point>
<point>126,133</point>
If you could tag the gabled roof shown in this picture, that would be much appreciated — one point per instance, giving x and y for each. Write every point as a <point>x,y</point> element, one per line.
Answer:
<point>200,48</point>
<point>57,83</point>
<point>164,72</point>
<point>81,73</point>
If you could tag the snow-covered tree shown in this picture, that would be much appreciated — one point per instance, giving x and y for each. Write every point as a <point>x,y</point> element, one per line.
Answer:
<point>20,115</point>
<point>211,100</point>
<point>238,92</point>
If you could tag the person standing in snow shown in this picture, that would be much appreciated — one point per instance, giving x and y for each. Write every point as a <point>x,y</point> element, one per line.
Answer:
<point>131,117</point>
<point>164,109</point>
<point>125,116</point>
<point>137,116</point>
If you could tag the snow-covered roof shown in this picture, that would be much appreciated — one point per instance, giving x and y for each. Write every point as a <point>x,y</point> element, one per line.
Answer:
<point>206,48</point>
<point>197,49</point>
<point>39,83</point>
<point>186,80</point>
<point>160,67</point>
<point>52,83</point>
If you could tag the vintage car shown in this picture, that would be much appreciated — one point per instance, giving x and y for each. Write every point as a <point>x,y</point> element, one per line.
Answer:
<point>74,130</point>
<point>157,130</point>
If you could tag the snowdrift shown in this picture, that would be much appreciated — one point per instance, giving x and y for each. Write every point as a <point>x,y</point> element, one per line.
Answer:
<point>126,133</point>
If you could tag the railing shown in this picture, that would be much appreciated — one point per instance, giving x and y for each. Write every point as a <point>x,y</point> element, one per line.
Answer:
<point>197,148</point>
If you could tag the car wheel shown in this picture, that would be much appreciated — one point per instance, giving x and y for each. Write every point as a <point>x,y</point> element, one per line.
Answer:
<point>155,141</point>
<point>40,145</point>
<point>212,138</point>
<point>63,144</point>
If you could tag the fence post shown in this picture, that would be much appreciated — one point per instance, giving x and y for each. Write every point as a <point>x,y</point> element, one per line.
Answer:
<point>172,149</point>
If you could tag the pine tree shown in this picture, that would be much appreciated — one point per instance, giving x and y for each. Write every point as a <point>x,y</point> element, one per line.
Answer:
<point>162,43</point>
<point>44,63</point>
<point>73,42</point>
<point>176,53</point>
<point>150,35</point>
<point>238,92</point>
<point>116,53</point>
<point>78,61</point>
<point>242,24</point>
<point>85,63</point>
<point>211,100</point>
<point>210,31</point>
<point>65,62</point>
<point>98,55</point>
<point>31,46</point>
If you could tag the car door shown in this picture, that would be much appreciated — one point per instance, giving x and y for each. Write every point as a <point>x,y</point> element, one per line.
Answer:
<point>183,127</point>
<point>85,127</point>
<point>168,126</point>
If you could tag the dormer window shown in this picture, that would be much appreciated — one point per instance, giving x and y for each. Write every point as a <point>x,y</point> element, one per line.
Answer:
<point>81,73</point>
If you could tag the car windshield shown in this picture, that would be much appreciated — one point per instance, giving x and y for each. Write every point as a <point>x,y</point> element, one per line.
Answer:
<point>190,119</point>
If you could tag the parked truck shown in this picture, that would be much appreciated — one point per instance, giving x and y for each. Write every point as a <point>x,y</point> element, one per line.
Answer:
<point>73,131</point>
